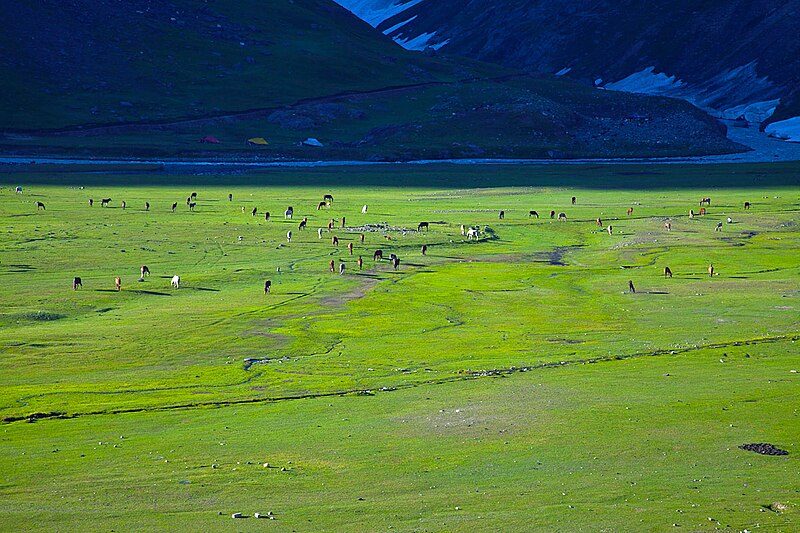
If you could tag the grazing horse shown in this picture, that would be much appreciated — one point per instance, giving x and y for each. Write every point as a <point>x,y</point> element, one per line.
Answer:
<point>188,200</point>
<point>341,268</point>
<point>502,215</point>
<point>711,270</point>
<point>328,198</point>
<point>343,222</point>
<point>18,190</point>
<point>392,257</point>
<point>91,202</point>
<point>118,283</point>
<point>472,233</point>
<point>361,237</point>
<point>230,197</point>
<point>599,222</point>
<point>631,288</point>
<point>691,213</point>
<point>76,282</point>
<point>630,210</point>
<point>667,273</point>
<point>562,216</point>
<point>360,262</point>
<point>266,216</point>
<point>387,237</point>
<point>610,229</point>
<point>174,206</point>
<point>702,211</point>
<point>289,236</point>
<point>574,200</point>
<point>424,249</point>
<point>144,271</point>
<point>320,205</point>
<point>176,281</point>
<point>319,232</point>
<point>267,286</point>
<point>332,267</point>
<point>123,204</point>
<point>718,227</point>
<point>303,223</point>
<point>193,196</point>
<point>147,206</point>
<point>40,205</point>
<point>364,210</point>
<point>746,206</point>
<point>335,240</point>
<point>422,225</point>
<point>552,214</point>
<point>104,202</point>
<point>463,230</point>
<point>533,214</point>
<point>289,212</point>
<point>350,247</point>
<point>254,211</point>
<point>668,226</point>
<point>706,201</point>
<point>395,263</point>
<point>192,205</point>
<point>377,255</point>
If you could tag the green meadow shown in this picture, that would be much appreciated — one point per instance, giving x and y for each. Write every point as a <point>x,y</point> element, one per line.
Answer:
<point>509,383</point>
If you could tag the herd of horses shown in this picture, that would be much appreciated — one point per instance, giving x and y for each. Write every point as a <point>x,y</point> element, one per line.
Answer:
<point>471,233</point>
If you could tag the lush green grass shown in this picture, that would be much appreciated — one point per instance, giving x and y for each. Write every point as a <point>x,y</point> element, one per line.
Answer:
<point>593,435</point>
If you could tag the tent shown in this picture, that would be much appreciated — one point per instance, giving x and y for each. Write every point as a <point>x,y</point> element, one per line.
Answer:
<point>209,139</point>
<point>257,141</point>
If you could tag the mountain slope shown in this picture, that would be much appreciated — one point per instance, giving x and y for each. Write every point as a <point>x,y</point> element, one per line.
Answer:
<point>721,55</point>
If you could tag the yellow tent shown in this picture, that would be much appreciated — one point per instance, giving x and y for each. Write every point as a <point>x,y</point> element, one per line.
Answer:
<point>257,141</point>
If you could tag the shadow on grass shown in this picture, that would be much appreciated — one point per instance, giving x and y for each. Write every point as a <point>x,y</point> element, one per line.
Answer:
<point>156,293</point>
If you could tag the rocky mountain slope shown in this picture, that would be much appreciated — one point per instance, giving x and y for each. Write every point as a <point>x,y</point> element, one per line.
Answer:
<point>734,57</point>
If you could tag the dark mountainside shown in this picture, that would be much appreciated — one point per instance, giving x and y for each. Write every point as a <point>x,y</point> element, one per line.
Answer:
<point>727,53</point>
<point>150,78</point>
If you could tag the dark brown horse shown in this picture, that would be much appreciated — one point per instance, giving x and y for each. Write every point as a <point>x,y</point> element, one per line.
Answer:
<point>174,206</point>
<point>706,201</point>
<point>422,225</point>
<point>104,202</point>
<point>328,198</point>
<point>424,249</point>
<point>574,200</point>
<point>631,288</point>
<point>746,205</point>
<point>267,286</point>
<point>76,282</point>
<point>320,205</point>
<point>377,255</point>
<point>533,214</point>
<point>667,273</point>
<point>40,205</point>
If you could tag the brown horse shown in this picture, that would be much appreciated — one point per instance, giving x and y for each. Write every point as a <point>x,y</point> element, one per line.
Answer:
<point>533,214</point>
<point>711,270</point>
<point>328,198</point>
<point>40,205</point>
<point>631,288</point>
<point>91,202</point>
<point>343,222</point>
<point>395,263</point>
<point>360,262</point>
<point>76,282</point>
<point>574,200</point>
<point>118,283</point>
<point>377,255</point>
<point>267,286</point>
<point>552,214</point>
<point>702,211</point>
<point>104,202</point>
<point>144,271</point>
<point>599,222</point>
<point>424,249</point>
<point>502,215</point>
<point>361,237</point>
<point>630,211</point>
<point>422,225</point>
<point>668,226</point>
<point>350,247</point>
<point>335,240</point>
<point>320,205</point>
<point>147,206</point>
<point>746,206</point>
<point>706,201</point>
<point>667,273</point>
<point>332,267</point>
<point>123,204</point>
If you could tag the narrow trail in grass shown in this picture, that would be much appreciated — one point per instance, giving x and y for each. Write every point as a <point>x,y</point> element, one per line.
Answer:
<point>460,376</point>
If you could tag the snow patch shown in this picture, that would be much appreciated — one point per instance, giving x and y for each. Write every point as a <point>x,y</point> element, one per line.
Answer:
<point>787,130</point>
<point>396,27</point>
<point>563,71</point>
<point>376,11</point>
<point>755,112</point>
<point>646,82</point>
<point>420,42</point>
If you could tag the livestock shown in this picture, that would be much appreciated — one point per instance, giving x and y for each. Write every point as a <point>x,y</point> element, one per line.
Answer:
<point>361,237</point>
<point>599,222</point>
<point>330,225</point>
<point>711,270</point>
<point>574,200</point>
<point>76,282</point>
<point>691,213</point>
<point>630,210</point>
<point>350,247</point>
<point>40,205</point>
<point>242,209</point>
<point>424,249</point>
<point>360,262</point>
<point>18,190</point>
<point>702,211</point>
<point>289,212</point>
<point>230,197</point>
<point>267,286</point>
<point>144,271</point>
<point>472,233</point>
<point>332,267</point>
<point>706,201</point>
<point>667,273</point>
<point>341,268</point>
<point>562,216</point>
<point>328,198</point>
<point>552,214</point>
<point>193,196</point>
<point>746,205</point>
<point>377,255</point>
<point>319,232</point>
<point>422,225</point>
<point>730,220</point>
<point>610,229</point>
<point>335,240</point>
<point>174,206</point>
<point>395,263</point>
<point>123,204</point>
<point>289,236</point>
<point>91,202</point>
<point>188,200</point>
<point>387,237</point>
<point>266,216</point>
<point>343,222</point>
<point>147,206</point>
<point>631,288</point>
<point>668,226</point>
<point>502,215</point>
<point>533,214</point>
<point>176,281</point>
<point>364,210</point>
<point>303,223</point>
<point>104,202</point>
<point>320,205</point>
<point>463,230</point>
<point>118,283</point>
<point>392,257</point>
<point>192,205</point>
<point>254,211</point>
<point>718,226</point>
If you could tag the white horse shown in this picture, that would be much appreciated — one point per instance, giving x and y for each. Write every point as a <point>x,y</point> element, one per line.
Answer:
<point>472,233</point>
<point>364,210</point>
<point>176,281</point>
<point>288,236</point>
<point>319,232</point>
